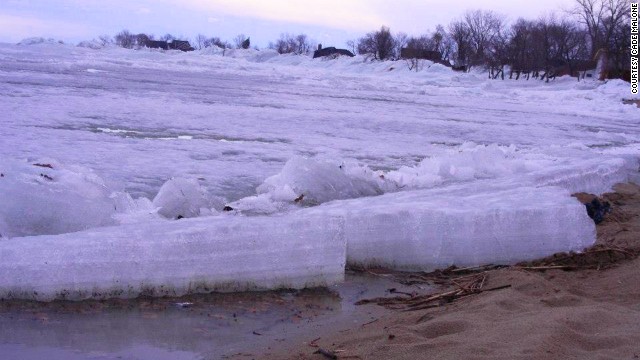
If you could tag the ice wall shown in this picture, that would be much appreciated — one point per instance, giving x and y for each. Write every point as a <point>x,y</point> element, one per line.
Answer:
<point>224,253</point>
<point>426,230</point>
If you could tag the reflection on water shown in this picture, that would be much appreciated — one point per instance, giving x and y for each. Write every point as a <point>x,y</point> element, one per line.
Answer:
<point>192,327</point>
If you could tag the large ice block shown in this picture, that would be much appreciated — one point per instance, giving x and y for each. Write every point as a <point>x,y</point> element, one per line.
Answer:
<point>46,197</point>
<point>180,197</point>
<point>318,181</point>
<point>224,253</point>
<point>426,230</point>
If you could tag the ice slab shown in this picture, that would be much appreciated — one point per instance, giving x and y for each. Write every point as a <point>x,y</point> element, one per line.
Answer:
<point>46,197</point>
<point>426,230</point>
<point>224,253</point>
<point>309,182</point>
<point>318,181</point>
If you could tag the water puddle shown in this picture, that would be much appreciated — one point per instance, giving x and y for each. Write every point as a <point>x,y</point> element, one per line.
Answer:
<point>193,327</point>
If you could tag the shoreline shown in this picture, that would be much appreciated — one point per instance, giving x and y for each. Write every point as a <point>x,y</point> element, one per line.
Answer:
<point>572,306</point>
<point>587,307</point>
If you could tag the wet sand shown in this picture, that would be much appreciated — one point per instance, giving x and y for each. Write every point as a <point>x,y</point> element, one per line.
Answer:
<point>546,314</point>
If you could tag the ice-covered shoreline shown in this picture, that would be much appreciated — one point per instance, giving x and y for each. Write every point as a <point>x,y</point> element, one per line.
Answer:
<point>407,170</point>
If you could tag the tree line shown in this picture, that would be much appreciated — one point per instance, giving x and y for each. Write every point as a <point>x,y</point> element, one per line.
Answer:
<point>484,38</point>
<point>479,38</point>
<point>295,44</point>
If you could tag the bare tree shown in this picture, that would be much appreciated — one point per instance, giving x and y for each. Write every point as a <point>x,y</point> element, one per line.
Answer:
<point>142,40</point>
<point>380,44</point>
<point>200,42</point>
<point>601,18</point>
<point>304,44</point>
<point>292,44</point>
<point>461,36</point>
<point>413,49</point>
<point>167,37</point>
<point>520,45</point>
<point>351,44</point>
<point>497,55</point>
<point>215,41</point>
<point>125,39</point>
<point>400,41</point>
<point>284,45</point>
<point>443,42</point>
<point>241,42</point>
<point>619,51</point>
<point>424,42</point>
<point>572,45</point>
<point>484,28</point>
<point>105,40</point>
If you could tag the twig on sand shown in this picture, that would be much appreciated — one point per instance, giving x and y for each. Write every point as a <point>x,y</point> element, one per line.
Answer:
<point>470,269</point>
<point>396,291</point>
<point>370,322</point>
<point>597,257</point>
<point>548,267</point>
<point>326,353</point>
<point>312,343</point>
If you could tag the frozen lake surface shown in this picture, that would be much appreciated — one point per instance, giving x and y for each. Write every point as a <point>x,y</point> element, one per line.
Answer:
<point>234,122</point>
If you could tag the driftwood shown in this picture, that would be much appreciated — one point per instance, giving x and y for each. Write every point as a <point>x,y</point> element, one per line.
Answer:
<point>463,282</point>
<point>467,281</point>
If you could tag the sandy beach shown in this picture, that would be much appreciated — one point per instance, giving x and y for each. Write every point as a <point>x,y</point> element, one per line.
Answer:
<point>588,308</point>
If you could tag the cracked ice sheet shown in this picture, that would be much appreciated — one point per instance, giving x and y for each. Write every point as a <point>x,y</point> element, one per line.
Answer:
<point>235,121</point>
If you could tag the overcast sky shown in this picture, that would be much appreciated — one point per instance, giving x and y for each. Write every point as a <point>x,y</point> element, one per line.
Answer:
<point>330,22</point>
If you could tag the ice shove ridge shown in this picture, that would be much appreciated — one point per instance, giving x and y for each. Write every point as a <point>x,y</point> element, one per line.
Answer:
<point>495,218</point>
<point>305,248</point>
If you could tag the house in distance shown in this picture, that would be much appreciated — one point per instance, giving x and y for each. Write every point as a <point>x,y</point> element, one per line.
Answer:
<point>330,51</point>
<point>181,45</point>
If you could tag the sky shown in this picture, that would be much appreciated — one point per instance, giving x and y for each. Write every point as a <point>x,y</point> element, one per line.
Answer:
<point>330,22</point>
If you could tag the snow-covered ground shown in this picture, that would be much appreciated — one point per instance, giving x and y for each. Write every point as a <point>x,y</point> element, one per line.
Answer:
<point>409,169</point>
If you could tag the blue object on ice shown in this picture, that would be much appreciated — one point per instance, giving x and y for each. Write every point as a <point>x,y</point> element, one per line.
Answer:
<point>597,210</point>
